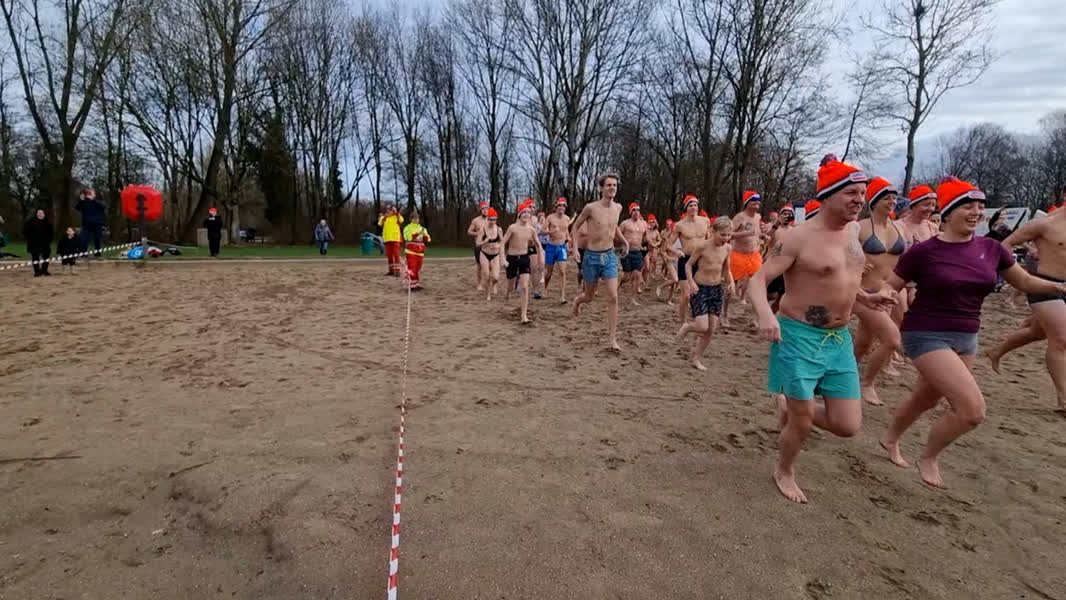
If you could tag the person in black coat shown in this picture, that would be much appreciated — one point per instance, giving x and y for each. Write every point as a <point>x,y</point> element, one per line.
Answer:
<point>68,247</point>
<point>213,225</point>
<point>39,235</point>
<point>93,218</point>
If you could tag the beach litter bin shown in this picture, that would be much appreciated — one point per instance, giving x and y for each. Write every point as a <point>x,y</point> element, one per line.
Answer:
<point>366,243</point>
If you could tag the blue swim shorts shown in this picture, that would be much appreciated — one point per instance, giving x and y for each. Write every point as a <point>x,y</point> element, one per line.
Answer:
<point>554,253</point>
<point>598,264</point>
<point>811,361</point>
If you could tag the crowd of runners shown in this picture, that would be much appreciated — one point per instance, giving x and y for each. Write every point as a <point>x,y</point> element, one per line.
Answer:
<point>912,270</point>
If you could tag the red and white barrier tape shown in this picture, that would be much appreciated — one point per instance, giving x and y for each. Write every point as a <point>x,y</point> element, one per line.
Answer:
<point>394,551</point>
<point>31,263</point>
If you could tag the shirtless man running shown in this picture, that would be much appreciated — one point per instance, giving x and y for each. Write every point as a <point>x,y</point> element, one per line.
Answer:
<point>517,241</point>
<point>691,232</point>
<point>557,249</point>
<point>747,234</point>
<point>476,225</point>
<point>598,261</point>
<point>1049,310</point>
<point>822,262</point>
<point>708,286</point>
<point>635,231</point>
<point>652,239</point>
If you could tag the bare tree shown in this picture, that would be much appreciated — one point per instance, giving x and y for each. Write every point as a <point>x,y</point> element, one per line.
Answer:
<point>868,110</point>
<point>986,155</point>
<point>928,48</point>
<point>61,56</point>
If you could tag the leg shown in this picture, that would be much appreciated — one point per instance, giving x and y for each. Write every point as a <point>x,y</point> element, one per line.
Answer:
<point>881,327</point>
<point>1052,319</point>
<point>704,341</point>
<point>949,374</point>
<point>484,274</point>
<point>864,337</point>
<point>34,257</point>
<point>523,291</point>
<point>98,238</point>
<point>562,281</point>
<point>612,314</point>
<point>924,397</point>
<point>1029,333</point>
<point>799,418</point>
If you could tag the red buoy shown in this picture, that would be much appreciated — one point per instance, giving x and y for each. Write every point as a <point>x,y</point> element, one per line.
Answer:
<point>136,197</point>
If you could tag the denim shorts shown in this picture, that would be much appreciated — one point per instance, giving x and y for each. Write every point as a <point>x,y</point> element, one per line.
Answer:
<point>917,343</point>
<point>598,264</point>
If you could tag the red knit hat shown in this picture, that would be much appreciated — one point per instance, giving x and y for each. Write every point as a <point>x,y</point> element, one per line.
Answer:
<point>560,200</point>
<point>492,213</point>
<point>811,208</point>
<point>919,193</point>
<point>751,196</point>
<point>953,192</point>
<point>651,219</point>
<point>525,205</point>
<point>878,188</point>
<point>834,175</point>
<point>482,204</point>
<point>212,210</point>
<point>633,206</point>
<point>703,213</point>
<point>690,199</point>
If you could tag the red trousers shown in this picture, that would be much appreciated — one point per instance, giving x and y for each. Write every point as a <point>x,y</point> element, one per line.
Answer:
<point>392,254</point>
<point>414,269</point>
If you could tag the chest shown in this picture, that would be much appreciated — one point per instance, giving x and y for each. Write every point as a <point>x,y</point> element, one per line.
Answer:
<point>691,231</point>
<point>602,218</point>
<point>833,256</point>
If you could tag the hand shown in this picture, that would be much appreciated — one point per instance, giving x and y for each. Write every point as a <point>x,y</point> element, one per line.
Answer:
<point>625,248</point>
<point>867,268</point>
<point>769,328</point>
<point>880,300</point>
<point>692,287</point>
<point>1061,287</point>
<point>732,289</point>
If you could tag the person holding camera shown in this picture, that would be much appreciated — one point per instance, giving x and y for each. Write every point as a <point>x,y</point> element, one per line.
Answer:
<point>93,217</point>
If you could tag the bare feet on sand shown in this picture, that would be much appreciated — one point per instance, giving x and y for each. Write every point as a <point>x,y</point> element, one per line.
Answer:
<point>786,483</point>
<point>994,359</point>
<point>615,347</point>
<point>699,365</point>
<point>577,308</point>
<point>891,370</point>
<point>894,455</point>
<point>929,469</point>
<point>869,394</point>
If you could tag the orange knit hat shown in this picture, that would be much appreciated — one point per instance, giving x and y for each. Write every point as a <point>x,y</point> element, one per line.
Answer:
<point>690,199</point>
<point>633,206</point>
<point>526,205</point>
<point>811,208</point>
<point>953,192</point>
<point>491,214</point>
<point>878,188</point>
<point>651,219</point>
<point>751,196</point>
<point>834,175</point>
<point>919,193</point>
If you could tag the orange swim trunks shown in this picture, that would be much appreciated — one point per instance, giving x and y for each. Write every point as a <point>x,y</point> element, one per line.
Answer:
<point>745,265</point>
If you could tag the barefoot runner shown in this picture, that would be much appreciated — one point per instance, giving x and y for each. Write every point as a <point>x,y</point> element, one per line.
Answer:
<point>1049,310</point>
<point>954,272</point>
<point>557,249</point>
<point>516,242</point>
<point>651,260</point>
<point>882,242</point>
<point>708,286</point>
<point>670,253</point>
<point>822,262</point>
<point>786,221</point>
<point>635,231</point>
<point>747,258</point>
<point>488,246</point>
<point>598,261</point>
<point>691,231</point>
<point>473,230</point>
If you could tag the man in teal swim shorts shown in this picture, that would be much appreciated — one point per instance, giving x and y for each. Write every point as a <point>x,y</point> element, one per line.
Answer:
<point>822,262</point>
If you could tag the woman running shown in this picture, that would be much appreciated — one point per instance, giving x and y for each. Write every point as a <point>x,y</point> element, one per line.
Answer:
<point>954,271</point>
<point>488,245</point>
<point>882,242</point>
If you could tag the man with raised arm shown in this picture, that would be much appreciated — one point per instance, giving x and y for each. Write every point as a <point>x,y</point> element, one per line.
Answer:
<point>812,354</point>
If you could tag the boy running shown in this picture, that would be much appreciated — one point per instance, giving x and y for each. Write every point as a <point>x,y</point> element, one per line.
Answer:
<point>708,286</point>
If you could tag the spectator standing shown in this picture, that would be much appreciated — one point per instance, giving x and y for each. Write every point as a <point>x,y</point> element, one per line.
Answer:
<point>67,247</point>
<point>93,217</point>
<point>39,234</point>
<point>213,225</point>
<point>390,222</point>
<point>323,236</point>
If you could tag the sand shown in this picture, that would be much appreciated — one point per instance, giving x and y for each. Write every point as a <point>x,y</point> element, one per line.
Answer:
<point>235,428</point>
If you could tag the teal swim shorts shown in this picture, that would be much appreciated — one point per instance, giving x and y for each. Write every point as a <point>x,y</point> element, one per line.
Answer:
<point>811,361</point>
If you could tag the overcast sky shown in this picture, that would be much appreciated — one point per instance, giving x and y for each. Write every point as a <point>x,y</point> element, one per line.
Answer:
<point>1027,82</point>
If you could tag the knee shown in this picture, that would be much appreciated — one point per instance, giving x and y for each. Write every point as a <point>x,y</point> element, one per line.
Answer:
<point>1056,342</point>
<point>893,340</point>
<point>846,428</point>
<point>972,415</point>
<point>612,296</point>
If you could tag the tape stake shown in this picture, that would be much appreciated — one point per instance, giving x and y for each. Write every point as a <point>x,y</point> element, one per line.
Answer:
<point>397,502</point>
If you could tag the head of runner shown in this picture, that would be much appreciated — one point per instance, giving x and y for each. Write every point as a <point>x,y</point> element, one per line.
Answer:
<point>491,214</point>
<point>841,190</point>
<point>692,206</point>
<point>634,211</point>
<point>560,206</point>
<point>962,206</point>
<point>752,202</point>
<point>608,185</point>
<point>922,201</point>
<point>483,208</point>
<point>881,196</point>
<point>723,230</point>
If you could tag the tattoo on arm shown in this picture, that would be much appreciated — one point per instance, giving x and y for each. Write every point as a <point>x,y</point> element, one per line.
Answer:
<point>776,250</point>
<point>817,315</point>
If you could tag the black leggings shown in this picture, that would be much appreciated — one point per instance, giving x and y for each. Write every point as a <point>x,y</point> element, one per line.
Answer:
<point>36,255</point>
